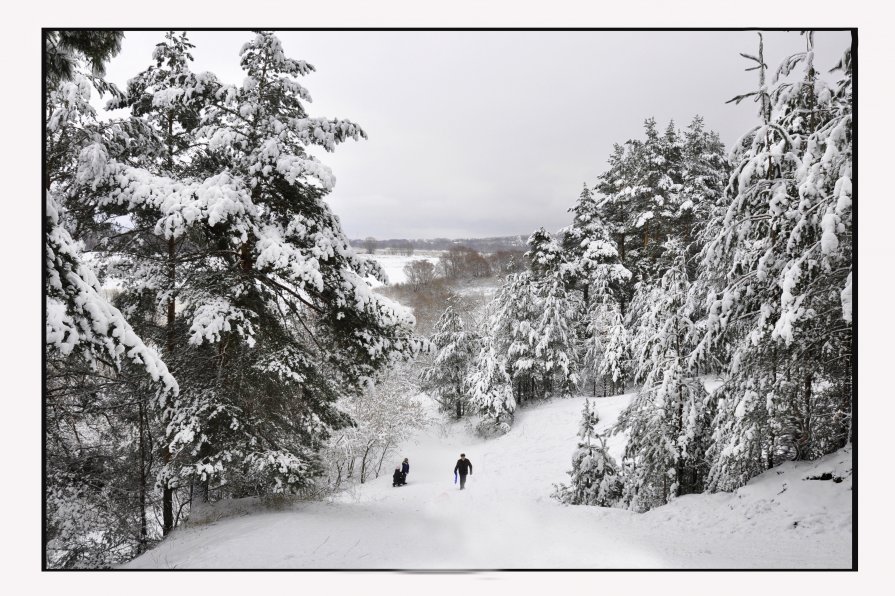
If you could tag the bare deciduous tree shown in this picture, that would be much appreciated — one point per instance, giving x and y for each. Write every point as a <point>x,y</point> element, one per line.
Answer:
<point>419,273</point>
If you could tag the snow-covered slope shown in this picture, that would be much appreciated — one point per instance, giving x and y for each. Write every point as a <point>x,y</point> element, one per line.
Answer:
<point>506,519</point>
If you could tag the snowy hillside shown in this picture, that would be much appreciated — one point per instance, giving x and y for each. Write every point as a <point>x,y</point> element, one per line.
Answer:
<point>506,518</point>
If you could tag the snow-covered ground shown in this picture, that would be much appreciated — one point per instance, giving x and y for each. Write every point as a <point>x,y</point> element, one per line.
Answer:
<point>394,265</point>
<point>506,518</point>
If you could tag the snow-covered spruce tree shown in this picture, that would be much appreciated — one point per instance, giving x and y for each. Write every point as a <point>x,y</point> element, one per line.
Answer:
<point>815,305</point>
<point>776,278</point>
<point>656,188</point>
<point>595,478</point>
<point>455,345</point>
<point>510,328</point>
<point>596,271</point>
<point>704,171</point>
<point>533,325</point>
<point>97,442</point>
<point>490,391</point>
<point>615,364</point>
<point>594,348</point>
<point>608,347</point>
<point>588,246</point>
<point>545,255</point>
<point>641,195</point>
<point>554,332</point>
<point>555,336</point>
<point>666,422</point>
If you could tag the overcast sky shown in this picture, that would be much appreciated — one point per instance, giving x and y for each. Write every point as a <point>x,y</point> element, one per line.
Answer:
<point>490,133</point>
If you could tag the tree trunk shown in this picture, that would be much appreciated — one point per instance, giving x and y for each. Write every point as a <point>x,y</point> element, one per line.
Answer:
<point>665,488</point>
<point>141,547</point>
<point>848,400</point>
<point>167,491</point>
<point>808,421</point>
<point>679,422</point>
<point>382,458</point>
<point>363,464</point>
<point>679,462</point>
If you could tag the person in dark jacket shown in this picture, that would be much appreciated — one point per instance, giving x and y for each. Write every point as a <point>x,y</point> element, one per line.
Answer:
<point>397,478</point>
<point>463,467</point>
<point>405,470</point>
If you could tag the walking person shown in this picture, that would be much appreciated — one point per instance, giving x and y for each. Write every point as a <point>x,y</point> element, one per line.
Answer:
<point>405,469</point>
<point>463,467</point>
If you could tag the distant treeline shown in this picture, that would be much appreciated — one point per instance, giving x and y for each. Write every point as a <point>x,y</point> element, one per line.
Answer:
<point>401,245</point>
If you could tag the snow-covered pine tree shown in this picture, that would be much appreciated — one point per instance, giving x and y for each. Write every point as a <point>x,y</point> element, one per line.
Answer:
<point>656,188</point>
<point>641,197</point>
<point>455,345</point>
<point>667,420</point>
<point>586,226</point>
<point>291,324</point>
<point>815,316</point>
<point>588,246</point>
<point>554,335</point>
<point>161,255</point>
<point>615,364</point>
<point>555,340</point>
<point>704,171</point>
<point>732,261</point>
<point>594,347</point>
<point>595,478</point>
<point>596,271</point>
<point>545,255</point>
<point>490,392</point>
<point>772,277</point>
<point>73,53</point>
<point>510,328</point>
<point>605,345</point>
<point>285,322</point>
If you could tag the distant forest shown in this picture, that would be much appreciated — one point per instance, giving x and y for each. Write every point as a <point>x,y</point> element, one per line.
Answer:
<point>486,245</point>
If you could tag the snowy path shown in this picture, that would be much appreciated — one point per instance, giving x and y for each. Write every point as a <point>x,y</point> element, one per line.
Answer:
<point>506,519</point>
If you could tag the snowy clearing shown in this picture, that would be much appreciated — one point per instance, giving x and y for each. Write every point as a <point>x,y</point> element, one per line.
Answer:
<point>394,265</point>
<point>506,518</point>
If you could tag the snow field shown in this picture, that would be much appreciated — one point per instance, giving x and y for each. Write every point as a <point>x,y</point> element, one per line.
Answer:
<point>506,518</point>
<point>394,265</point>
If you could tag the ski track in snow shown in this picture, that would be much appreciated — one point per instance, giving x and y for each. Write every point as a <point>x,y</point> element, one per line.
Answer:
<point>506,519</point>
